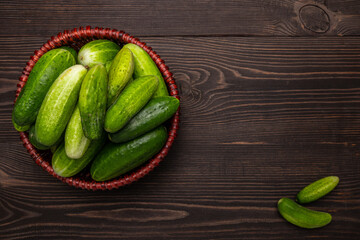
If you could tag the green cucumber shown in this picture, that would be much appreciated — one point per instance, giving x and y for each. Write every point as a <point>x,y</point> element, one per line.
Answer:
<point>120,73</point>
<point>40,79</point>
<point>71,50</point>
<point>67,167</point>
<point>92,102</point>
<point>34,141</point>
<point>76,143</point>
<point>116,159</point>
<point>18,127</point>
<point>144,65</point>
<point>301,216</point>
<point>58,105</point>
<point>132,99</point>
<point>156,111</point>
<point>108,65</point>
<point>317,189</point>
<point>97,52</point>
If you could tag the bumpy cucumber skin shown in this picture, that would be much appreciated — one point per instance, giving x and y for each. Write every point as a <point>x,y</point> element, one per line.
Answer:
<point>144,65</point>
<point>97,52</point>
<point>92,101</point>
<point>59,105</point>
<point>156,112</point>
<point>317,189</point>
<point>108,65</point>
<point>132,99</point>
<point>67,167</point>
<point>116,159</point>
<point>42,76</point>
<point>76,143</point>
<point>34,141</point>
<point>71,50</point>
<point>301,216</point>
<point>18,127</point>
<point>120,72</point>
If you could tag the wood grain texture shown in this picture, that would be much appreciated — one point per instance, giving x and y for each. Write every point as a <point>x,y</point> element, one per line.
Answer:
<point>261,118</point>
<point>262,115</point>
<point>204,17</point>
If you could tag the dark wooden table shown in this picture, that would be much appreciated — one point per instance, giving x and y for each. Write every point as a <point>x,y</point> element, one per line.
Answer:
<point>270,94</point>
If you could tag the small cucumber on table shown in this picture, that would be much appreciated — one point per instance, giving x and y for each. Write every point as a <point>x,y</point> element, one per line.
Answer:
<point>131,100</point>
<point>68,167</point>
<point>92,101</point>
<point>97,52</point>
<point>40,79</point>
<point>59,105</point>
<point>155,112</point>
<point>317,189</point>
<point>76,143</point>
<point>144,65</point>
<point>301,216</point>
<point>116,159</point>
<point>120,72</point>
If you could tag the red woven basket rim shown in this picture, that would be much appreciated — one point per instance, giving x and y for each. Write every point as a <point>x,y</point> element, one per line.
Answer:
<point>70,37</point>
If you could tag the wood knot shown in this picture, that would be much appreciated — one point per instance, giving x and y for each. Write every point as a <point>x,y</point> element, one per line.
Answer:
<point>314,18</point>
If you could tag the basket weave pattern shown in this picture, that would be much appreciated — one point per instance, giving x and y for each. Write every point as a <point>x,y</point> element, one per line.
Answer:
<point>76,38</point>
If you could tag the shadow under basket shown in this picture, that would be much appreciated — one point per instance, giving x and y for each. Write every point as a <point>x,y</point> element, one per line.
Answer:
<point>76,38</point>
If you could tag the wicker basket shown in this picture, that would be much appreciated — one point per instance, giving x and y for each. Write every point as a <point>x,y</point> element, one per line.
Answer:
<point>76,38</point>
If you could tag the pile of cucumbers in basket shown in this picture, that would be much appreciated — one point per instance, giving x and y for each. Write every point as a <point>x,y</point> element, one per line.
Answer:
<point>104,106</point>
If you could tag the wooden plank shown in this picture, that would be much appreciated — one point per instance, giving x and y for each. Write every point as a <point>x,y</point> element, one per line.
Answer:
<point>261,118</point>
<point>187,197</point>
<point>195,18</point>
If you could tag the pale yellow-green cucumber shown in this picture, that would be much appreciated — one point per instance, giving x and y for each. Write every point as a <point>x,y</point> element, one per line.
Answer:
<point>67,167</point>
<point>58,105</point>
<point>76,143</point>
<point>144,65</point>
<point>120,73</point>
<point>97,52</point>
